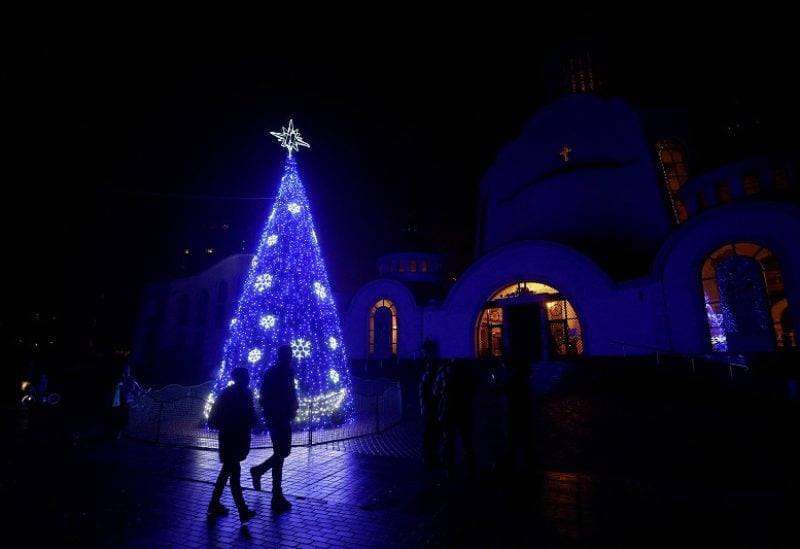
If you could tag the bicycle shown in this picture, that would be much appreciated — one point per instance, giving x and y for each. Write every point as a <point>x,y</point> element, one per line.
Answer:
<point>32,399</point>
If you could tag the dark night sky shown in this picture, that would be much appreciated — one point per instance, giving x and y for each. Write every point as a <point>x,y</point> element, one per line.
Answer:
<point>125,122</point>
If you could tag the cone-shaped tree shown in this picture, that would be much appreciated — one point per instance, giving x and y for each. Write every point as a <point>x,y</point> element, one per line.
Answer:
<point>286,299</point>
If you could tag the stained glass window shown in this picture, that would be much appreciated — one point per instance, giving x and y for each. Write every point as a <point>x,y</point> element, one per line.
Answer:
<point>744,295</point>
<point>676,173</point>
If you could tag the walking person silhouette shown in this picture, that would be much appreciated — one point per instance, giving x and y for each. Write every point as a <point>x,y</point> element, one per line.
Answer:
<point>234,415</point>
<point>278,397</point>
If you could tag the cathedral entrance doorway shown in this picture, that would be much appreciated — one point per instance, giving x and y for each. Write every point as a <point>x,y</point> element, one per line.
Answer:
<point>529,321</point>
<point>524,334</point>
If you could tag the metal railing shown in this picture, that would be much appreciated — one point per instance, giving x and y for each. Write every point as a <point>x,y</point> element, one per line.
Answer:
<point>649,349</point>
<point>736,363</point>
<point>174,415</point>
<point>776,374</point>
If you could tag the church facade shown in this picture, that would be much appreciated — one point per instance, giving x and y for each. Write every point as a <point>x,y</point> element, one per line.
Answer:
<point>594,237</point>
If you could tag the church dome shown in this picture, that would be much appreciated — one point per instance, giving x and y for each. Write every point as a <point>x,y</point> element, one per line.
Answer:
<point>410,257</point>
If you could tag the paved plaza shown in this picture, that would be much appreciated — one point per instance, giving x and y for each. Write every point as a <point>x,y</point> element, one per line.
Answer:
<point>700,469</point>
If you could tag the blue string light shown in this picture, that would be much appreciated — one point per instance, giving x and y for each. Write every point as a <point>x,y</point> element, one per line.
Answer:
<point>287,299</point>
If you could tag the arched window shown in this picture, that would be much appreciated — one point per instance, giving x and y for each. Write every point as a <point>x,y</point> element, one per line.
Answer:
<point>723,191</point>
<point>676,173</point>
<point>745,301</point>
<point>751,183</point>
<point>579,73</point>
<point>781,181</point>
<point>525,307</point>
<point>383,329</point>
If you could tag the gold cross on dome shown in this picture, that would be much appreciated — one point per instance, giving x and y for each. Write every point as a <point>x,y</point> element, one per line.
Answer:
<point>565,150</point>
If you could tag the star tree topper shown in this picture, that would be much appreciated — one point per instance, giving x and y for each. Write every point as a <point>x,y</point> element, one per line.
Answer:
<point>290,138</point>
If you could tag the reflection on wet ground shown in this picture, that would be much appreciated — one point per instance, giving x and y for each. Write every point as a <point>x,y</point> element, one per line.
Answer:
<point>705,469</point>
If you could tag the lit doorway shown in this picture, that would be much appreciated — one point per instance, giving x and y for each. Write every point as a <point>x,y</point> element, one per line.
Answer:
<point>530,320</point>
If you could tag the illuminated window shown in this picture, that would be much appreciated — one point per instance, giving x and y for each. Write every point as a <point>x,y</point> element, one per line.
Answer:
<point>424,267</point>
<point>383,329</point>
<point>563,325</point>
<point>579,74</point>
<point>723,192</point>
<point>676,173</point>
<point>565,330</point>
<point>745,296</point>
<point>401,266</point>
<point>785,333</point>
<point>412,266</point>
<point>781,179</point>
<point>751,184</point>
<point>490,333</point>
<point>701,200</point>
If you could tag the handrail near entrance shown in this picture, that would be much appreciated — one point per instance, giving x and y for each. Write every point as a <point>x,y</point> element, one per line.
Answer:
<point>732,360</point>
<point>656,350</point>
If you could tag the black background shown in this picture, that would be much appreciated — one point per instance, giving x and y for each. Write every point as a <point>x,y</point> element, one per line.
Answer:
<point>129,129</point>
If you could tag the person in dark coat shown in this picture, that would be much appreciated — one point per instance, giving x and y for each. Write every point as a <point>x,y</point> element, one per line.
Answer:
<point>520,447</point>
<point>455,391</point>
<point>429,410</point>
<point>234,415</point>
<point>126,391</point>
<point>279,402</point>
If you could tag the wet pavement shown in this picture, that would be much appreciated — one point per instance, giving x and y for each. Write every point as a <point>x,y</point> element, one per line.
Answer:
<point>701,468</point>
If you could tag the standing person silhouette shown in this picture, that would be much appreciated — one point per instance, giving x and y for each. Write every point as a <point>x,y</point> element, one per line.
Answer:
<point>278,397</point>
<point>454,389</point>
<point>519,449</point>
<point>126,390</point>
<point>234,415</point>
<point>428,407</point>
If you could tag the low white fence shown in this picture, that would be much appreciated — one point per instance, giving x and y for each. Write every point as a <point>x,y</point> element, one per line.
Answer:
<point>173,415</point>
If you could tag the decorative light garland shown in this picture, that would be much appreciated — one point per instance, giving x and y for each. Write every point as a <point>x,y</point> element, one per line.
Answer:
<point>286,299</point>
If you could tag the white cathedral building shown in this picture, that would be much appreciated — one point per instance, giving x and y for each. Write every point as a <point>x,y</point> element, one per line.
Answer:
<point>594,237</point>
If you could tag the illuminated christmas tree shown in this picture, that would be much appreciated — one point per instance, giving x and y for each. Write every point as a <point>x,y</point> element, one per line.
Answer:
<point>287,299</point>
